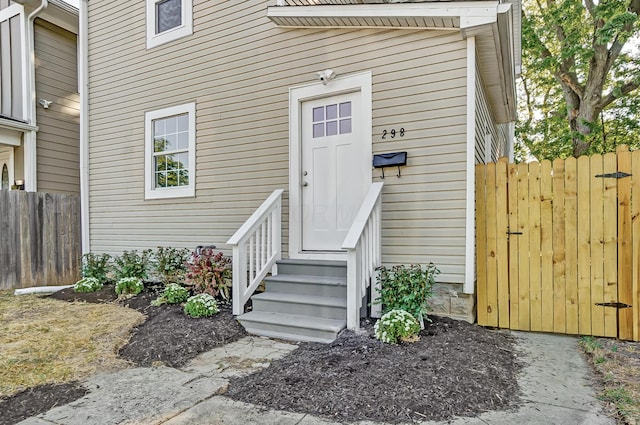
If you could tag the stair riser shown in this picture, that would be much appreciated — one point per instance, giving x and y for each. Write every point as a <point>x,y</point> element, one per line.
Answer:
<point>307,289</point>
<point>312,270</point>
<point>288,332</point>
<point>327,312</point>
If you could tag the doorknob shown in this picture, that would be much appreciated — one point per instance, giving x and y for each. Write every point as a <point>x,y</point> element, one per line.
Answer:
<point>304,173</point>
<point>305,184</point>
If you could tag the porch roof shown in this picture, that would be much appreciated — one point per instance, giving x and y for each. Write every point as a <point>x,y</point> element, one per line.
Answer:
<point>495,25</point>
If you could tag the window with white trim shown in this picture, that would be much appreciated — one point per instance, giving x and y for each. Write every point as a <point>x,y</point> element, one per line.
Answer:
<point>168,20</point>
<point>170,151</point>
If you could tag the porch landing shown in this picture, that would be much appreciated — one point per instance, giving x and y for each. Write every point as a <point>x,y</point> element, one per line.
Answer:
<point>305,301</point>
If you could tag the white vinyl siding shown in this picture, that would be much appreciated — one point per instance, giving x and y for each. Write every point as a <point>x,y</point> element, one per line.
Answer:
<point>58,138</point>
<point>238,68</point>
<point>486,128</point>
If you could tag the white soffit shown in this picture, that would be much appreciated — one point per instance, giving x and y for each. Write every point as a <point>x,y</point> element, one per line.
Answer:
<point>435,15</point>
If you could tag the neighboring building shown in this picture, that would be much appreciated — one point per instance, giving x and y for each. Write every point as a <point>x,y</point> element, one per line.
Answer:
<point>199,110</point>
<point>39,123</point>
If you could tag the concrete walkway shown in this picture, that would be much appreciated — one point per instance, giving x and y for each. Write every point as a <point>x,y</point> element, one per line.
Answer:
<point>556,387</point>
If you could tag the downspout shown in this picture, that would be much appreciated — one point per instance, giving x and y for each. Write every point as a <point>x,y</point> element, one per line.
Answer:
<point>83,76</point>
<point>30,157</point>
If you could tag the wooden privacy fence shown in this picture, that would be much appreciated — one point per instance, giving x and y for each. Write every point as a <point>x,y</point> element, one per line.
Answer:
<point>558,245</point>
<point>39,239</point>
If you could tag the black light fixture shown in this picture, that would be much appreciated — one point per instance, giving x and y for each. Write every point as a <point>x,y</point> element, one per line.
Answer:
<point>18,184</point>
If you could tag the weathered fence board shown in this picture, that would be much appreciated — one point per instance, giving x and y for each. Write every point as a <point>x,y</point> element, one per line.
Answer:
<point>39,239</point>
<point>558,245</point>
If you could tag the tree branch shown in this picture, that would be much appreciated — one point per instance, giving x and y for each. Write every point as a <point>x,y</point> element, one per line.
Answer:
<point>626,88</point>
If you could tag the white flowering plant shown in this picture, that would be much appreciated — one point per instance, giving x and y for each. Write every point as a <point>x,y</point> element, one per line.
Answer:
<point>201,305</point>
<point>129,286</point>
<point>175,294</point>
<point>397,325</point>
<point>87,284</point>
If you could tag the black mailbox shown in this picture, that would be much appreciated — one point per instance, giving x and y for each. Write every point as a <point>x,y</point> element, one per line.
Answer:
<point>392,159</point>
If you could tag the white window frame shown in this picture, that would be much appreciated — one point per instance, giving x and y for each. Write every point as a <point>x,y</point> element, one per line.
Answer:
<point>150,191</point>
<point>183,30</point>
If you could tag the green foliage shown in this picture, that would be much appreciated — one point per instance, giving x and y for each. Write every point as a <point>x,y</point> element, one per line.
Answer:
<point>96,266</point>
<point>396,325</point>
<point>210,273</point>
<point>170,264</point>
<point>201,305</point>
<point>132,264</point>
<point>87,284</point>
<point>578,92</point>
<point>406,288</point>
<point>589,343</point>
<point>129,286</point>
<point>175,293</point>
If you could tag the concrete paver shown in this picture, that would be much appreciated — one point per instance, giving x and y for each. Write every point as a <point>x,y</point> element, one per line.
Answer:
<point>555,383</point>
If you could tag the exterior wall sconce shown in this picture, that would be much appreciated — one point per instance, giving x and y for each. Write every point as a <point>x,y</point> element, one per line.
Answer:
<point>44,103</point>
<point>326,76</point>
<point>18,184</point>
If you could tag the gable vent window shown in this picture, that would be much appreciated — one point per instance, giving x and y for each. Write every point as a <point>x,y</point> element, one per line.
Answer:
<point>168,20</point>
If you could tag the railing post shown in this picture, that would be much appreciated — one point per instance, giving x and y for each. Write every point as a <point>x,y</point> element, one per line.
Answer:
<point>276,240</point>
<point>237,282</point>
<point>353,286</point>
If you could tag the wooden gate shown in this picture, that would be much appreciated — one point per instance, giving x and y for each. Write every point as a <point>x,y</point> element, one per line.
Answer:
<point>558,245</point>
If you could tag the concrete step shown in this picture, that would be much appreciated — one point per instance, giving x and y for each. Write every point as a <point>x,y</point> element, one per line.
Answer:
<point>291,327</point>
<point>313,267</point>
<point>324,286</point>
<point>303,305</point>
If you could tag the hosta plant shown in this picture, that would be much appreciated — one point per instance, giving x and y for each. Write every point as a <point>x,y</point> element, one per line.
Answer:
<point>87,284</point>
<point>129,286</point>
<point>96,266</point>
<point>201,305</point>
<point>396,325</point>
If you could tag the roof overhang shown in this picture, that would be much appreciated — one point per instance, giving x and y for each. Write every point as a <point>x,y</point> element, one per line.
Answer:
<point>489,21</point>
<point>58,12</point>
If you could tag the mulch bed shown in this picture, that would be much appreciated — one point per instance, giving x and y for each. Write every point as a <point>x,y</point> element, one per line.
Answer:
<point>455,369</point>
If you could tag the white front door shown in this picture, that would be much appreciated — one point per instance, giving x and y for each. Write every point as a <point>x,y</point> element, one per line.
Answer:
<point>333,182</point>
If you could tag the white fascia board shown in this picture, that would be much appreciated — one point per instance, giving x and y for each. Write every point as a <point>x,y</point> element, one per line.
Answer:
<point>16,125</point>
<point>473,13</point>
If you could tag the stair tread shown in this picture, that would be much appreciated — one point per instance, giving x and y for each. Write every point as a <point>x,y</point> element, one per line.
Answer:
<point>328,263</point>
<point>294,321</point>
<point>301,278</point>
<point>302,299</point>
<point>289,336</point>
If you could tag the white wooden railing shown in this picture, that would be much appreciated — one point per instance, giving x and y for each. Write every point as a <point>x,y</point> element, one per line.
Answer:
<point>256,248</point>
<point>364,252</point>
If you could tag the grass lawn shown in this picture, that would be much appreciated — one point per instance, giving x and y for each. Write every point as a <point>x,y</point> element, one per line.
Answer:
<point>47,341</point>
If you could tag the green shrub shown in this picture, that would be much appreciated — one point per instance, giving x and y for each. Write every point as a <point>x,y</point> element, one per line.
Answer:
<point>396,325</point>
<point>129,286</point>
<point>175,294</point>
<point>87,284</point>
<point>210,273</point>
<point>201,305</point>
<point>96,266</point>
<point>169,264</point>
<point>132,264</point>
<point>406,288</point>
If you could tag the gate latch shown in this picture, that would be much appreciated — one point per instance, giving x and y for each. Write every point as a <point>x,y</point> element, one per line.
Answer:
<point>615,305</point>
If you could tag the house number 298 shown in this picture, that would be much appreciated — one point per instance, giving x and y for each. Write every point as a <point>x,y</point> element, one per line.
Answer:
<point>392,133</point>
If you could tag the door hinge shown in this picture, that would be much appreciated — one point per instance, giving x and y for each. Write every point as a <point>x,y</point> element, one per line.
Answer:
<point>615,305</point>
<point>616,175</point>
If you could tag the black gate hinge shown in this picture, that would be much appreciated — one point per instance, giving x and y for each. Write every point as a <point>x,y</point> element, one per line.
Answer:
<point>615,305</point>
<point>616,175</point>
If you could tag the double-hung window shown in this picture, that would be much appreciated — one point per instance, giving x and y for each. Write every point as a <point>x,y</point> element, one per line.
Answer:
<point>170,152</point>
<point>168,20</point>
